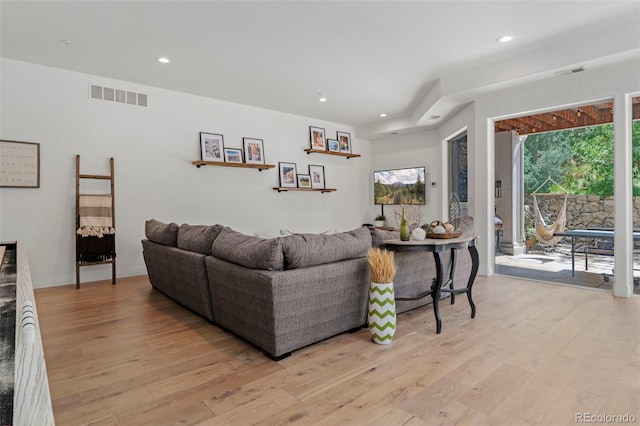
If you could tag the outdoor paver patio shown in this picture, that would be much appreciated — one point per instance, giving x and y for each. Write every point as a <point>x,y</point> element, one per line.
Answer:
<point>555,266</point>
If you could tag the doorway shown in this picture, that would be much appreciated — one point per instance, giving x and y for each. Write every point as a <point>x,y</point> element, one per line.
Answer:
<point>570,148</point>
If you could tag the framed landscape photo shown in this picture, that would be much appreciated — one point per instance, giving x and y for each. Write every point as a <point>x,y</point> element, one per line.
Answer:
<point>253,151</point>
<point>19,164</point>
<point>317,176</point>
<point>211,147</point>
<point>334,145</point>
<point>233,155</point>
<point>287,175</point>
<point>318,140</point>
<point>304,181</point>
<point>345,142</point>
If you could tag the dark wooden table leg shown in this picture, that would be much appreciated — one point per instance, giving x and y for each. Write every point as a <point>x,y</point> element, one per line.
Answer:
<point>437,285</point>
<point>452,265</point>
<point>475,263</point>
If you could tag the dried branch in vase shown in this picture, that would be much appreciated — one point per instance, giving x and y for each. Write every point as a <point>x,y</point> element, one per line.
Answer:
<point>412,214</point>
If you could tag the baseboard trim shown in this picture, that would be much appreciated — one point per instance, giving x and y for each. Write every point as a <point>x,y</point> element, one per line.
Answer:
<point>87,274</point>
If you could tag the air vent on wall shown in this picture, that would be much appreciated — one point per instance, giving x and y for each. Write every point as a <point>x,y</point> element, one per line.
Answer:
<point>569,71</point>
<point>117,95</point>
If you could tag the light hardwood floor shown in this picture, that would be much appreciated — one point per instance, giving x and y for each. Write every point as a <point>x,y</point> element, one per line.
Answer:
<point>535,354</point>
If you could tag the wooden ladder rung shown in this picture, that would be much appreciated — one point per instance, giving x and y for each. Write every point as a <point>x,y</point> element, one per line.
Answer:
<point>94,177</point>
<point>101,262</point>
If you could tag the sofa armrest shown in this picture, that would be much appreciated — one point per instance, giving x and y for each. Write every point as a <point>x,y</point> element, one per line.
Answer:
<point>179,274</point>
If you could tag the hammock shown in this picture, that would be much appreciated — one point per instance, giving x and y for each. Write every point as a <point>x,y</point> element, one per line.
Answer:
<point>545,232</point>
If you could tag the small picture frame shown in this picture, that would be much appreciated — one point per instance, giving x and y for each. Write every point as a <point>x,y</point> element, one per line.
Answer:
<point>317,176</point>
<point>288,175</point>
<point>304,181</point>
<point>233,155</point>
<point>334,145</point>
<point>253,151</point>
<point>318,140</point>
<point>211,147</point>
<point>345,142</point>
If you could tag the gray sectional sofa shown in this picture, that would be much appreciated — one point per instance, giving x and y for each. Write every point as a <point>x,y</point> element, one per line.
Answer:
<point>283,293</point>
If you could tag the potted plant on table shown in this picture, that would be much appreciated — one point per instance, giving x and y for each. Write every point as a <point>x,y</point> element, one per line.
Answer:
<point>382,304</point>
<point>380,221</point>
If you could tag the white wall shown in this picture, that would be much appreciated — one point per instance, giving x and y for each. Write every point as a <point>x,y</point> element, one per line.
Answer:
<point>409,150</point>
<point>428,148</point>
<point>153,149</point>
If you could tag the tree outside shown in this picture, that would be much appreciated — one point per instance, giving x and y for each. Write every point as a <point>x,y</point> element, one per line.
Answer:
<point>580,160</point>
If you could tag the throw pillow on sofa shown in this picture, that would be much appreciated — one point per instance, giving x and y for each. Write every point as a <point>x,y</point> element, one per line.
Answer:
<point>466,224</point>
<point>161,233</point>
<point>302,250</point>
<point>379,236</point>
<point>198,238</point>
<point>247,250</point>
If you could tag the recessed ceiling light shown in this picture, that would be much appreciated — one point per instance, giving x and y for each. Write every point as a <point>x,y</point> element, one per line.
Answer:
<point>383,115</point>
<point>163,60</point>
<point>504,39</point>
<point>323,99</point>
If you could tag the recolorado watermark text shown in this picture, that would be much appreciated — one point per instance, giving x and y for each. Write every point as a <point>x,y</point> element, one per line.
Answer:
<point>605,418</point>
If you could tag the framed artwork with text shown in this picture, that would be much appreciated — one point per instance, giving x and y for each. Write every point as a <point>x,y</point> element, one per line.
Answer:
<point>19,164</point>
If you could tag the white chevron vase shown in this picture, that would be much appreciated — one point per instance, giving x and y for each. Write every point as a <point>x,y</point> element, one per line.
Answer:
<point>382,313</point>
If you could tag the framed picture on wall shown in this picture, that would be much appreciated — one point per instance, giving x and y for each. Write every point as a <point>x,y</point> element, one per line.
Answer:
<point>344,139</point>
<point>211,147</point>
<point>287,175</point>
<point>317,176</point>
<point>318,140</point>
<point>253,151</point>
<point>233,155</point>
<point>304,181</point>
<point>20,164</point>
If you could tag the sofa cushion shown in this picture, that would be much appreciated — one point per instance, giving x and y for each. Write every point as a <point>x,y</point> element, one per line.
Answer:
<point>248,251</point>
<point>302,250</point>
<point>286,232</point>
<point>378,236</point>
<point>466,224</point>
<point>198,238</point>
<point>161,233</point>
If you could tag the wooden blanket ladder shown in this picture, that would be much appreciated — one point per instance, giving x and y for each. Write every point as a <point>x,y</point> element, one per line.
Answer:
<point>79,254</point>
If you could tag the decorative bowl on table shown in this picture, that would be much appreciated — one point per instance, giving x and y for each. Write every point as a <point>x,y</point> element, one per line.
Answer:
<point>437,229</point>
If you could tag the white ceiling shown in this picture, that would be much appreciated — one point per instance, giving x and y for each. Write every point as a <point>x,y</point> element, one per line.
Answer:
<point>410,60</point>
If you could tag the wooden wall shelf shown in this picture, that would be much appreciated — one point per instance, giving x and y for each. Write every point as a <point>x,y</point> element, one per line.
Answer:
<point>322,190</point>
<point>339,154</point>
<point>260,167</point>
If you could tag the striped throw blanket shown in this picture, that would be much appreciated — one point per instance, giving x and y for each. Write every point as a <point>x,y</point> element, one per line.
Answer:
<point>96,218</point>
